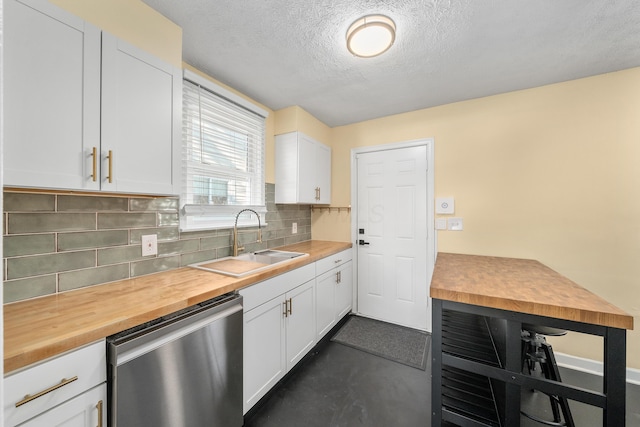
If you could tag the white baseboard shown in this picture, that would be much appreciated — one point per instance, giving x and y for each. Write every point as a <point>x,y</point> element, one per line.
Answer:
<point>592,366</point>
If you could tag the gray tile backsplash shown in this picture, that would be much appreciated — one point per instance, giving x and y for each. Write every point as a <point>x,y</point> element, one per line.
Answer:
<point>59,242</point>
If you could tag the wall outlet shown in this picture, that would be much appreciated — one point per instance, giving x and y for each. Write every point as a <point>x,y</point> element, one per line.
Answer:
<point>150,245</point>
<point>294,228</point>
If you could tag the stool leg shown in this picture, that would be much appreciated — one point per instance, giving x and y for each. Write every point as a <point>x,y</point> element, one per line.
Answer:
<point>525,348</point>
<point>553,400</point>
<point>555,375</point>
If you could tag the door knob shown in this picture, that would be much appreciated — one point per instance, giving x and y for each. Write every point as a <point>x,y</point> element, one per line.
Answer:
<point>362,242</point>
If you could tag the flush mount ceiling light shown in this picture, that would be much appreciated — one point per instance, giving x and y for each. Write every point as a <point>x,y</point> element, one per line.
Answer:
<point>371,36</point>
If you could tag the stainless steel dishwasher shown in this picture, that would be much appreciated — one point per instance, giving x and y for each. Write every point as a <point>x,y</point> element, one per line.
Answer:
<point>181,370</point>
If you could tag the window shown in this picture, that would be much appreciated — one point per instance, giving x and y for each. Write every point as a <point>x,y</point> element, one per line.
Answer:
<point>222,156</point>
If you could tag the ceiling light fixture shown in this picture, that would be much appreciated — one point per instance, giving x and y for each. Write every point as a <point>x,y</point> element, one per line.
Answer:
<point>371,36</point>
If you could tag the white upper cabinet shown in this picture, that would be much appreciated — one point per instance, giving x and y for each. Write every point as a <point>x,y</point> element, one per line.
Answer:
<point>51,96</point>
<point>139,133</point>
<point>84,110</point>
<point>303,170</point>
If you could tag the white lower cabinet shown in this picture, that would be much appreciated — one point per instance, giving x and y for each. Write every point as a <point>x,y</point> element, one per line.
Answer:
<point>279,329</point>
<point>285,316</point>
<point>68,390</point>
<point>264,350</point>
<point>334,291</point>
<point>300,322</point>
<point>344,290</point>
<point>86,410</point>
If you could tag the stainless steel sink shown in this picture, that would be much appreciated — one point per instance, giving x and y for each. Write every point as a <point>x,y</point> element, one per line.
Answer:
<point>248,263</point>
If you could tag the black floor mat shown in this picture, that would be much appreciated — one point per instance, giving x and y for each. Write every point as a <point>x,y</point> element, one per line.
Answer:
<point>398,343</point>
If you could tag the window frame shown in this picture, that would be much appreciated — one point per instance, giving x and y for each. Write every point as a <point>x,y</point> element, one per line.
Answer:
<point>195,216</point>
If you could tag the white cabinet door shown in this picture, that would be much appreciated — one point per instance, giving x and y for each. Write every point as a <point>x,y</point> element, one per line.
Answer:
<point>326,302</point>
<point>307,183</point>
<point>73,95</point>
<point>140,133</point>
<point>81,411</point>
<point>54,381</point>
<point>334,295</point>
<point>344,290</point>
<point>323,173</point>
<point>51,96</point>
<point>300,322</point>
<point>264,350</point>
<point>303,169</point>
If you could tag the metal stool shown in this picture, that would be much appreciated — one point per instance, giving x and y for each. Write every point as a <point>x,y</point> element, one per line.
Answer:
<point>536,351</point>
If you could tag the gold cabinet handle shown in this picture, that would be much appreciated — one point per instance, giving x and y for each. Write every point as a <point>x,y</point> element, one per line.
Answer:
<point>28,398</point>
<point>110,157</point>
<point>319,193</point>
<point>94,154</point>
<point>290,307</point>
<point>338,261</point>
<point>285,308</point>
<point>99,408</point>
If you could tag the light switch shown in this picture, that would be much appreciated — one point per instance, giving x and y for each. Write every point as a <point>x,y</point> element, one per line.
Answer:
<point>455,224</point>
<point>441,223</point>
<point>444,205</point>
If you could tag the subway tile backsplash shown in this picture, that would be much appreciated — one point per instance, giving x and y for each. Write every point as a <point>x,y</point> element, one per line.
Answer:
<point>60,242</point>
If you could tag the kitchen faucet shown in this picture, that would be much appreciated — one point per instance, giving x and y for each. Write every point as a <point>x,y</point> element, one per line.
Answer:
<point>237,248</point>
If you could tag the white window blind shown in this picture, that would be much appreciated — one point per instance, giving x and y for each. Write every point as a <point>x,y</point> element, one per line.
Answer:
<point>222,160</point>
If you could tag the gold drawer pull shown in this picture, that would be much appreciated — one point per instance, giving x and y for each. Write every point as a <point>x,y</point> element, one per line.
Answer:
<point>94,154</point>
<point>28,398</point>
<point>99,407</point>
<point>110,157</point>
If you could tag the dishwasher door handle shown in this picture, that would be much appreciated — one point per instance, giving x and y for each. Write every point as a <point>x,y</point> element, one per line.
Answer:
<point>164,338</point>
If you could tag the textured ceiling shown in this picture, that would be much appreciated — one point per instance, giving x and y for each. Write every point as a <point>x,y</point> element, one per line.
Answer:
<point>292,52</point>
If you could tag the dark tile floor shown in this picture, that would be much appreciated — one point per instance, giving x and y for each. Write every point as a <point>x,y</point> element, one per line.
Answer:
<point>341,386</point>
<point>338,385</point>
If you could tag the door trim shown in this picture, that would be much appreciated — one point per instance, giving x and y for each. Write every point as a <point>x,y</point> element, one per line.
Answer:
<point>432,247</point>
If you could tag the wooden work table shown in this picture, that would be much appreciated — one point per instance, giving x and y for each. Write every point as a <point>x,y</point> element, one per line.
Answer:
<point>504,293</point>
<point>40,328</point>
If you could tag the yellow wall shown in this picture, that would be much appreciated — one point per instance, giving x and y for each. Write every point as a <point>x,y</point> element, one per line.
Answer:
<point>549,173</point>
<point>294,118</point>
<point>134,22</point>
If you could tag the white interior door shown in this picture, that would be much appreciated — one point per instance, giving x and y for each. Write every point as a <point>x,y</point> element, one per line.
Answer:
<point>393,263</point>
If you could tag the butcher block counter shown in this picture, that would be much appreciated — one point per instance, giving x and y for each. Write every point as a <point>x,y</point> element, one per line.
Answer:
<point>493,297</point>
<point>521,285</point>
<point>40,328</point>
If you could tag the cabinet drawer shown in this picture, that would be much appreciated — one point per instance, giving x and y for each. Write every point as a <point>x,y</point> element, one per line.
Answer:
<point>264,291</point>
<point>88,364</point>
<point>332,261</point>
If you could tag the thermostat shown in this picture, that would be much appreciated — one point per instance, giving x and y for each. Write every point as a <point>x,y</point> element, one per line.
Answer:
<point>444,205</point>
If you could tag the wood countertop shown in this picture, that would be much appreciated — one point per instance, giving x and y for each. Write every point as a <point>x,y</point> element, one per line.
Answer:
<point>40,328</point>
<point>521,285</point>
